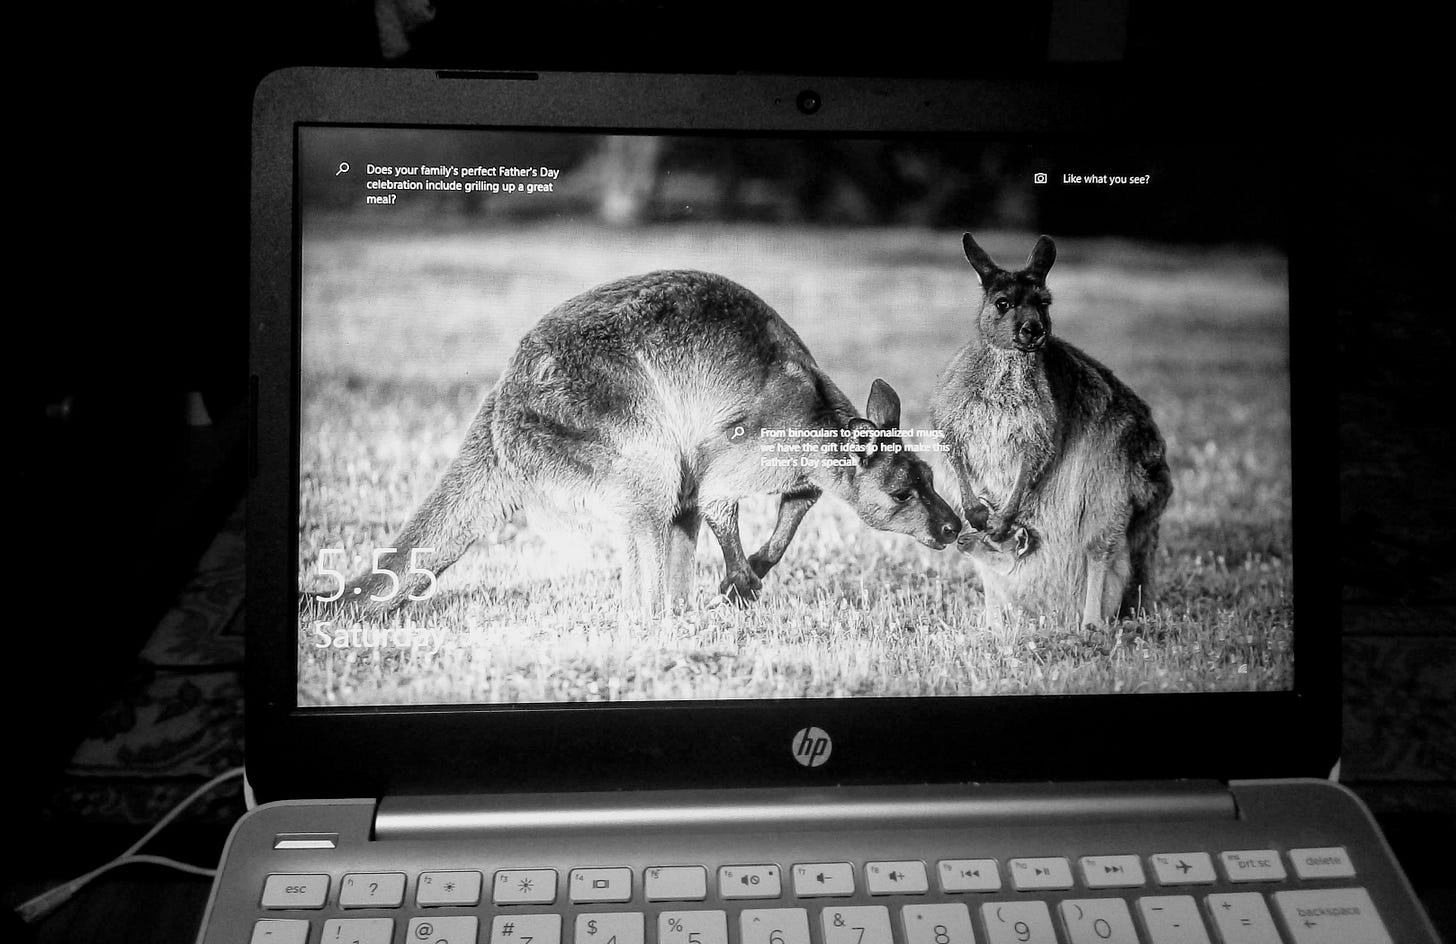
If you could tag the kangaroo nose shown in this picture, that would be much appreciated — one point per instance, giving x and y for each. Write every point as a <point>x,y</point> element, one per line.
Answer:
<point>1032,330</point>
<point>949,530</point>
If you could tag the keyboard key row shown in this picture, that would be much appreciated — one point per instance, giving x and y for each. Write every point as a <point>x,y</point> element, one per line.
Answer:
<point>1321,916</point>
<point>810,880</point>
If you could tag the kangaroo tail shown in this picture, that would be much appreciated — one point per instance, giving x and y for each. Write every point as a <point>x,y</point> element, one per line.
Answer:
<point>1142,539</point>
<point>472,498</point>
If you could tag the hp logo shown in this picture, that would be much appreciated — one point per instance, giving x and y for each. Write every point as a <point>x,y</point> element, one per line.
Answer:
<point>812,746</point>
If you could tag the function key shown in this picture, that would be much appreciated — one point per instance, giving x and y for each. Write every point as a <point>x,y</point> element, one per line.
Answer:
<point>1252,865</point>
<point>279,931</point>
<point>295,891</point>
<point>896,878</point>
<point>749,881</point>
<point>358,930</point>
<point>1034,874</point>
<point>524,887</point>
<point>677,883</point>
<point>824,880</point>
<point>1117,871</point>
<point>1327,862</point>
<point>600,885</point>
<point>1183,868</point>
<point>372,890</point>
<point>969,875</point>
<point>440,889</point>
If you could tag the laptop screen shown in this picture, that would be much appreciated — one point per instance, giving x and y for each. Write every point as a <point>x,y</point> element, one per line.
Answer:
<point>592,417</point>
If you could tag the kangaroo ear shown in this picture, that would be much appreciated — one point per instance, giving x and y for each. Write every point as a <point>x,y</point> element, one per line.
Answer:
<point>864,440</point>
<point>1025,543</point>
<point>884,406</point>
<point>1043,254</point>
<point>978,259</point>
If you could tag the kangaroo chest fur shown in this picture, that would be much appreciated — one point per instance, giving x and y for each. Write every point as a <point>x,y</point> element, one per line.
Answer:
<point>998,411</point>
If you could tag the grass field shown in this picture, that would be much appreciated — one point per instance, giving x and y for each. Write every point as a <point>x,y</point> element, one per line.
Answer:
<point>396,362</point>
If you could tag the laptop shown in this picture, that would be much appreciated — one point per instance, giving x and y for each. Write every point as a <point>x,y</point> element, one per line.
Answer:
<point>622,569</point>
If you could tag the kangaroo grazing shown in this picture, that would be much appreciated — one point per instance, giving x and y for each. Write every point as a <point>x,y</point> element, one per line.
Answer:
<point>1044,437</point>
<point>633,400</point>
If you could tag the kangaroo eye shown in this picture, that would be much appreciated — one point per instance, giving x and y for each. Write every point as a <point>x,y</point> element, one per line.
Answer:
<point>1002,305</point>
<point>903,496</point>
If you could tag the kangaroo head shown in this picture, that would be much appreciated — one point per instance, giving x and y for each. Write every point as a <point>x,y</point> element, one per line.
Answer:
<point>1002,557</point>
<point>1016,306</point>
<point>890,488</point>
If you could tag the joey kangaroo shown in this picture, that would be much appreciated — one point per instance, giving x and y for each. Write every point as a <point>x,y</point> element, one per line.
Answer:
<point>628,400</point>
<point>1043,436</point>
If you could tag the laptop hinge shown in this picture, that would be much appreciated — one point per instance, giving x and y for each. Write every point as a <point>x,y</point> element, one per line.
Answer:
<point>910,807</point>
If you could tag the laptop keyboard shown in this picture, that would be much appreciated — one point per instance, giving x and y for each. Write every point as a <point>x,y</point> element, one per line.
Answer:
<point>1301,896</point>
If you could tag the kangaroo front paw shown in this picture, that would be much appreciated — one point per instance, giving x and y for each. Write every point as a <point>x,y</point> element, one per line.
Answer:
<point>976,517</point>
<point>998,529</point>
<point>759,564</point>
<point>741,588</point>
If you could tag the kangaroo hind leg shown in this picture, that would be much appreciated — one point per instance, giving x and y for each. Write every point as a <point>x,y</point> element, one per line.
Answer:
<point>682,548</point>
<point>1107,573</point>
<point>645,571</point>
<point>1153,489</point>
<point>740,584</point>
<point>473,497</point>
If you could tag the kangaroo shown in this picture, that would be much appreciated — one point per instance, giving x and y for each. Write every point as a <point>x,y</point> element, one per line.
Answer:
<point>636,400</point>
<point>1043,436</point>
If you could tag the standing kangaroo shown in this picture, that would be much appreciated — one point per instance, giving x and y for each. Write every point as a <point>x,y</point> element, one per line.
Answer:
<point>1046,438</point>
<point>635,399</point>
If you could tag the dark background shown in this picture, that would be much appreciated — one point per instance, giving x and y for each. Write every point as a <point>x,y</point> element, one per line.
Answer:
<point>129,168</point>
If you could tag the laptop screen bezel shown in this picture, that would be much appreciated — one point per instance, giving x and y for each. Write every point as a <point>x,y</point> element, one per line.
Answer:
<point>448,749</point>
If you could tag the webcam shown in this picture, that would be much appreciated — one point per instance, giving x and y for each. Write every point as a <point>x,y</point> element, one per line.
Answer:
<point>809,101</point>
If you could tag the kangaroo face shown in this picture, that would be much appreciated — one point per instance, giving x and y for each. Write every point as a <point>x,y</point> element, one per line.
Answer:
<point>1016,306</point>
<point>894,491</point>
<point>1001,557</point>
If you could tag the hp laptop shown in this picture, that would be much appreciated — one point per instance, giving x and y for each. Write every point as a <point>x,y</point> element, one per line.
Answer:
<point>620,566</point>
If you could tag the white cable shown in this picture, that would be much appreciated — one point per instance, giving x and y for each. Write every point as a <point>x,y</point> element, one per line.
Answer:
<point>46,902</point>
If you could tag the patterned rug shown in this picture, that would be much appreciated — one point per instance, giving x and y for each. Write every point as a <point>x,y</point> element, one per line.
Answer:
<point>179,720</point>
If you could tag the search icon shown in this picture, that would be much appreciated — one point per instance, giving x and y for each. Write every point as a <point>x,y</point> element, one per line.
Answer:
<point>343,168</point>
<point>737,433</point>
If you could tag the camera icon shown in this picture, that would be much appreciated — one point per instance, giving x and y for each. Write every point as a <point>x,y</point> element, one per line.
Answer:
<point>1038,178</point>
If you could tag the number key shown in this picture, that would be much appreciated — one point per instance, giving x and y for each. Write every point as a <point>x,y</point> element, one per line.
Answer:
<point>867,924</point>
<point>526,929</point>
<point>357,931</point>
<point>692,927</point>
<point>937,924</point>
<point>1093,920</point>
<point>1018,922</point>
<point>436,930</point>
<point>774,926</point>
<point>610,928</point>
